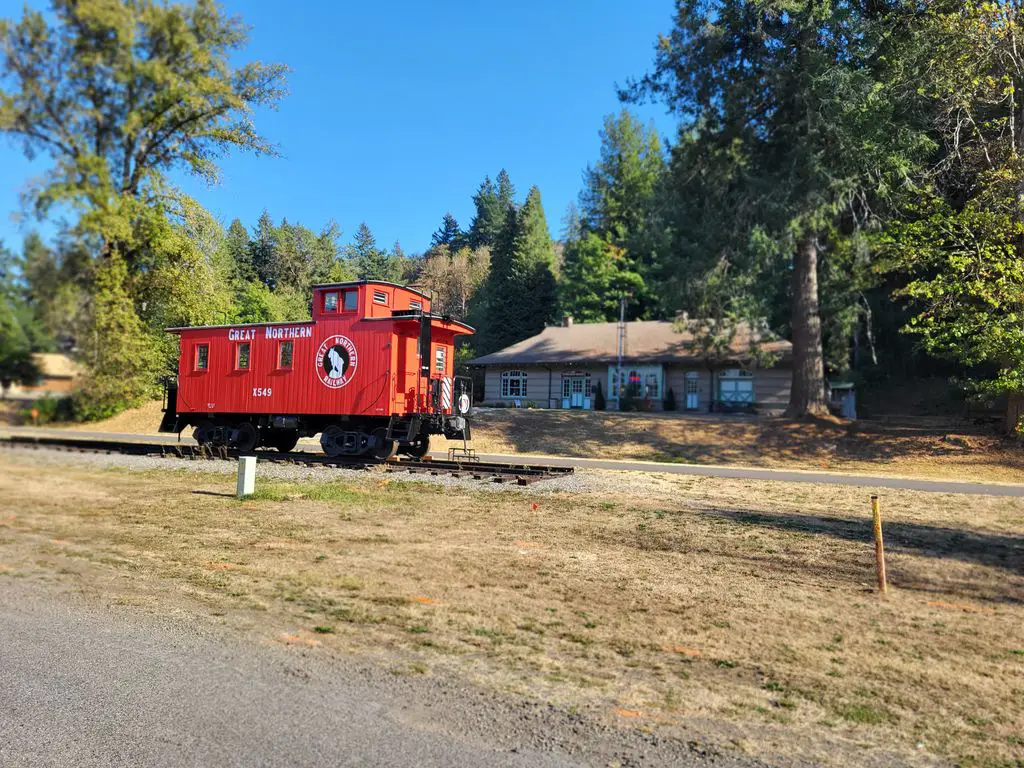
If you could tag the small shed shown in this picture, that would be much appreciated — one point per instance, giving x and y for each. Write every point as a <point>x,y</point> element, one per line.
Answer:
<point>60,375</point>
<point>843,399</point>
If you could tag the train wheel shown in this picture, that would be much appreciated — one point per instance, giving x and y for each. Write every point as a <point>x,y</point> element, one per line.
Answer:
<point>331,441</point>
<point>419,447</point>
<point>203,434</point>
<point>285,440</point>
<point>383,449</point>
<point>245,437</point>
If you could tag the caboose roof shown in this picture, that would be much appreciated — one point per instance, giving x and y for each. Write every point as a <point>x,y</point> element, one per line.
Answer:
<point>357,283</point>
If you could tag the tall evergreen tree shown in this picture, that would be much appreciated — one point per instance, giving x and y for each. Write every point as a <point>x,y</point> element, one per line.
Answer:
<point>520,292</point>
<point>792,92</point>
<point>448,234</point>
<point>239,250</point>
<point>369,261</point>
<point>506,192</point>
<point>263,251</point>
<point>492,203</point>
<point>595,276</point>
<point>486,224</point>
<point>619,190</point>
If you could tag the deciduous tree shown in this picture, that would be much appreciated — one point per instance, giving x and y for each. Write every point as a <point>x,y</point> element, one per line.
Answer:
<point>119,93</point>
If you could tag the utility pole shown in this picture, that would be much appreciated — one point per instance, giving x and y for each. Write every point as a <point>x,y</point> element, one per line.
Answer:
<point>622,344</point>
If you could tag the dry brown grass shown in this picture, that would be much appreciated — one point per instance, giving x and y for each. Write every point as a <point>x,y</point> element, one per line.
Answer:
<point>144,420</point>
<point>744,608</point>
<point>930,448</point>
<point>934,449</point>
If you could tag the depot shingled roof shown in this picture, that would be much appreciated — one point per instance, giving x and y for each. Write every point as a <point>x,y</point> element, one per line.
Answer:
<point>657,341</point>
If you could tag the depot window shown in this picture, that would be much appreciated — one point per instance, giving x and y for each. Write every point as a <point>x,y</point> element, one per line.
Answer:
<point>284,355</point>
<point>513,383</point>
<point>242,351</point>
<point>202,357</point>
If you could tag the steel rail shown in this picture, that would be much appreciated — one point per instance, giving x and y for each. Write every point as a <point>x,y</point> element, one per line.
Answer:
<point>521,474</point>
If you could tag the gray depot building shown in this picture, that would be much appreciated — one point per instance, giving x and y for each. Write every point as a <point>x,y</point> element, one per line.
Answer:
<point>561,366</point>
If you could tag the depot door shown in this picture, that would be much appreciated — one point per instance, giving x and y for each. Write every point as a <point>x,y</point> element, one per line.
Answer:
<point>576,391</point>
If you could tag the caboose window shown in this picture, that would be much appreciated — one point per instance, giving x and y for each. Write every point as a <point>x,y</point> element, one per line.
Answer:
<point>331,301</point>
<point>202,357</point>
<point>351,301</point>
<point>415,304</point>
<point>379,297</point>
<point>242,356</point>
<point>513,383</point>
<point>284,355</point>
<point>439,356</point>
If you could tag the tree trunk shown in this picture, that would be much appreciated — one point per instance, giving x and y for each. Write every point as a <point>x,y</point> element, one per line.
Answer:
<point>807,394</point>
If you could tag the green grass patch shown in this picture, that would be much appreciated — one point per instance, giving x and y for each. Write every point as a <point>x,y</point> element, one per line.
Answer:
<point>334,491</point>
<point>866,714</point>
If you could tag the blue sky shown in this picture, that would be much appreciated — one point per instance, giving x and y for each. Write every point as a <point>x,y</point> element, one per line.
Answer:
<point>398,110</point>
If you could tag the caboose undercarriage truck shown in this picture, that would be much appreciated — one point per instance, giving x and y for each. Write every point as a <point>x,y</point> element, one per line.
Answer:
<point>372,373</point>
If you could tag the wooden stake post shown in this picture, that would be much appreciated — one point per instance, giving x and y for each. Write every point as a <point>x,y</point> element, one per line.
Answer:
<point>876,513</point>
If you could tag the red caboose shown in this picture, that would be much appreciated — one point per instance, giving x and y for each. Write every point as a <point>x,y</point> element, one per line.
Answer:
<point>372,373</point>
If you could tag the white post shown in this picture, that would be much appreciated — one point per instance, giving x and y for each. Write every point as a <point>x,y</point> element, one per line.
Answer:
<point>246,476</point>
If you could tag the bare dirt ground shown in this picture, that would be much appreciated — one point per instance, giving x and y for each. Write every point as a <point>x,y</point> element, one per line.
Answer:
<point>925,447</point>
<point>742,610</point>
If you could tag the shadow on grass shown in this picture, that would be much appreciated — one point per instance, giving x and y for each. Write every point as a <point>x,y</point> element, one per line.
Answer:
<point>989,549</point>
<point>723,439</point>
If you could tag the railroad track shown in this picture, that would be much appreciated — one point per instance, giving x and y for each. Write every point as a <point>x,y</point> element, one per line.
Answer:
<point>520,474</point>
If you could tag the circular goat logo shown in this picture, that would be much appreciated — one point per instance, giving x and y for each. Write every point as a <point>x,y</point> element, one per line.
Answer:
<point>336,361</point>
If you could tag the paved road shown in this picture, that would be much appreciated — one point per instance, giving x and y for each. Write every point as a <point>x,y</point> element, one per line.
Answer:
<point>703,470</point>
<point>83,686</point>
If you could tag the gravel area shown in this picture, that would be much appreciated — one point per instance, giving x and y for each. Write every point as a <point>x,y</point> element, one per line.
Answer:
<point>581,481</point>
<point>87,685</point>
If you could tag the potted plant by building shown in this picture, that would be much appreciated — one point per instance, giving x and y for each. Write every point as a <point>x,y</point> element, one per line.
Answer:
<point>669,403</point>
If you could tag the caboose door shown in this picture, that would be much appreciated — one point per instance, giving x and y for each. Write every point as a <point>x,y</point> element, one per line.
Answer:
<point>407,372</point>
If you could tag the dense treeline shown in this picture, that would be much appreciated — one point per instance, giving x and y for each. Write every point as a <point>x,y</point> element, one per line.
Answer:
<point>846,174</point>
<point>842,170</point>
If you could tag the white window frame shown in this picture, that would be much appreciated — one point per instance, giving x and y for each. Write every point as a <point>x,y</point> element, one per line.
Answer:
<point>646,383</point>
<point>567,379</point>
<point>440,359</point>
<point>413,304</point>
<point>644,372</point>
<point>380,297</point>
<point>508,378</point>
